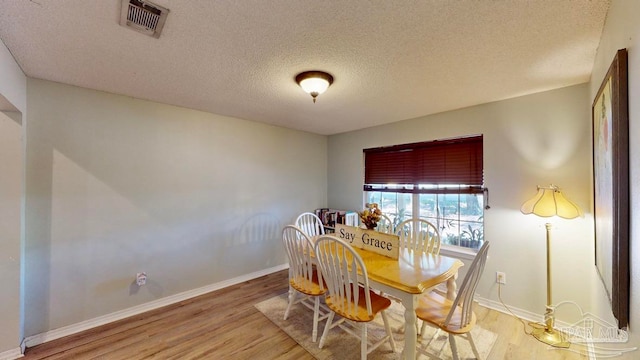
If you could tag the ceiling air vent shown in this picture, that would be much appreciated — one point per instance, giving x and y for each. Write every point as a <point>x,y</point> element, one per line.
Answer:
<point>143,16</point>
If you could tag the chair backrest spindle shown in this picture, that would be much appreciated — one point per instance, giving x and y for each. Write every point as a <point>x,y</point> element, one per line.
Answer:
<point>419,235</point>
<point>468,288</point>
<point>385,225</point>
<point>299,249</point>
<point>310,224</point>
<point>345,272</point>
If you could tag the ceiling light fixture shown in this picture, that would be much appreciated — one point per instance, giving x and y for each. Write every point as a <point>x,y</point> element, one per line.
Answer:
<point>314,82</point>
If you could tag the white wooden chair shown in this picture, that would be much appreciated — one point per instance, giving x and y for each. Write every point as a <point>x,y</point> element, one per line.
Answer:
<point>349,294</point>
<point>304,279</point>
<point>455,317</point>
<point>351,219</point>
<point>419,235</point>
<point>310,224</point>
<point>385,225</point>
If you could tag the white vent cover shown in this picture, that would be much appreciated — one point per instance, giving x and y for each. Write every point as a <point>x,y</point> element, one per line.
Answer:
<point>143,16</point>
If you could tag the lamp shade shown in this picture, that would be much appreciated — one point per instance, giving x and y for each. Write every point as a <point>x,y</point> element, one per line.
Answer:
<point>314,82</point>
<point>314,85</point>
<point>548,202</point>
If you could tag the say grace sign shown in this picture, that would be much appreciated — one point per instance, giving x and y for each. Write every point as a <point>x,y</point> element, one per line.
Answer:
<point>370,240</point>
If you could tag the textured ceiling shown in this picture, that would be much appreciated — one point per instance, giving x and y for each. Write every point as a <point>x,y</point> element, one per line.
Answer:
<point>391,60</point>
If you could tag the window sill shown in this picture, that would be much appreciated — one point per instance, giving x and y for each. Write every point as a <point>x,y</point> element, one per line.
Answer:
<point>457,252</point>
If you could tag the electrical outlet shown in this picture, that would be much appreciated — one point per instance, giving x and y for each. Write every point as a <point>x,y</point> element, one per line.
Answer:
<point>141,278</point>
<point>501,278</point>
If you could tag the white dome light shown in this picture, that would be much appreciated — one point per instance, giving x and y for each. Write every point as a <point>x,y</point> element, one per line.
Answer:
<point>314,82</point>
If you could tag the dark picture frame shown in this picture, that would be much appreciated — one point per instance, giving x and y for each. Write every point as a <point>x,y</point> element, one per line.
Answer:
<point>610,120</point>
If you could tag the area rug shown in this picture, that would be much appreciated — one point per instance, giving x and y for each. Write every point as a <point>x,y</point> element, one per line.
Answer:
<point>340,345</point>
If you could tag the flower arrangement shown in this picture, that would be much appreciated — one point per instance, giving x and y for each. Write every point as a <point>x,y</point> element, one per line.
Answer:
<point>370,215</point>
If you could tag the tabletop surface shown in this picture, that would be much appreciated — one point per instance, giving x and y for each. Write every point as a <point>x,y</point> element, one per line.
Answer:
<point>412,272</point>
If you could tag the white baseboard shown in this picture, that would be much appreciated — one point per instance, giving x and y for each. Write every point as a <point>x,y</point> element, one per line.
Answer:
<point>521,313</point>
<point>152,305</point>
<point>496,305</point>
<point>11,354</point>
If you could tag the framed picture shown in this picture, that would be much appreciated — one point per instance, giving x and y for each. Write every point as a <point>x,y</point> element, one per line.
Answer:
<point>610,117</point>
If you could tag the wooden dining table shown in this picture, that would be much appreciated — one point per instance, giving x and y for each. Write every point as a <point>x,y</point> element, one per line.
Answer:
<point>406,278</point>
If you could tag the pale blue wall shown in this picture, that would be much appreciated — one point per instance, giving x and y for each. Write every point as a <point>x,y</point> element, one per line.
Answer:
<point>117,185</point>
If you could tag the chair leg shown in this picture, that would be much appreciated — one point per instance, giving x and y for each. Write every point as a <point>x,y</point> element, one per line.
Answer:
<point>387,327</point>
<point>292,299</point>
<point>363,342</point>
<point>326,329</point>
<point>400,329</point>
<point>473,346</point>
<point>316,315</point>
<point>454,348</point>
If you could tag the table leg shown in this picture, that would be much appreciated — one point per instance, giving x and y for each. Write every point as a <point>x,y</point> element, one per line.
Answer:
<point>410,303</point>
<point>452,288</point>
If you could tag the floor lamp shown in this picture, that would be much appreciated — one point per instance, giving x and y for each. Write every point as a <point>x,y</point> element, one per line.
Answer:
<point>549,202</point>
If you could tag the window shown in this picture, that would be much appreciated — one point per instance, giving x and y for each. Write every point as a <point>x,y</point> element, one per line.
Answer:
<point>441,181</point>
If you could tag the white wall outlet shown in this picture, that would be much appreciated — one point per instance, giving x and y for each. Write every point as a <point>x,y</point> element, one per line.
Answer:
<point>141,278</point>
<point>501,278</point>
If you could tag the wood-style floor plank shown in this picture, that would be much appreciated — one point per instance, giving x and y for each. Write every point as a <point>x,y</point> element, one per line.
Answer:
<point>225,325</point>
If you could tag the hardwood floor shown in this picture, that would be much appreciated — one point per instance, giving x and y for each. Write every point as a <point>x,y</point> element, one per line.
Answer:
<point>514,343</point>
<point>225,325</point>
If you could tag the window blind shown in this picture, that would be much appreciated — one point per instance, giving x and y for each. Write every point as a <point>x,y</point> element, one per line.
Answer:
<point>452,162</point>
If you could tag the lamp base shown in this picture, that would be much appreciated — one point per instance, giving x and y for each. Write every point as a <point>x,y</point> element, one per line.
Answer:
<point>550,336</point>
